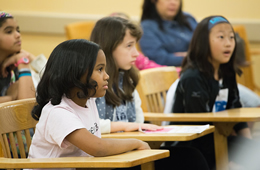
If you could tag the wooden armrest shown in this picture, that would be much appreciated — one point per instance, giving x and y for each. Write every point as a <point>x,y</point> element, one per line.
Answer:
<point>128,159</point>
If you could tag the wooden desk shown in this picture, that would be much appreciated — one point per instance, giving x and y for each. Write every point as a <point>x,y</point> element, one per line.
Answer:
<point>144,158</point>
<point>156,139</point>
<point>224,122</point>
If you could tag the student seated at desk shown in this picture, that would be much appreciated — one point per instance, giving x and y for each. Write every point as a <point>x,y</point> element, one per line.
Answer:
<point>208,81</point>
<point>167,35</point>
<point>121,106</point>
<point>16,80</point>
<point>68,118</point>
<point>17,77</point>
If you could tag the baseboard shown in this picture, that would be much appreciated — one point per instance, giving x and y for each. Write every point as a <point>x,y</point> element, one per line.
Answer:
<point>54,23</point>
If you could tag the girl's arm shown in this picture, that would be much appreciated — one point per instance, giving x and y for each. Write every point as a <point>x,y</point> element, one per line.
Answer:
<point>107,126</point>
<point>95,146</point>
<point>11,93</point>
<point>26,87</point>
<point>5,99</point>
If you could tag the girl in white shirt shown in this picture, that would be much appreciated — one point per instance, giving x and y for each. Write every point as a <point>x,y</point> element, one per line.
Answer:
<point>68,118</point>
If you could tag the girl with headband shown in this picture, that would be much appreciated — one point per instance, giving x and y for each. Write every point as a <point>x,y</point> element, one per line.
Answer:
<point>208,82</point>
<point>15,78</point>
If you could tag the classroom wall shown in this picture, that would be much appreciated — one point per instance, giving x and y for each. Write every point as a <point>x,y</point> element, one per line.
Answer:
<point>199,8</point>
<point>42,22</point>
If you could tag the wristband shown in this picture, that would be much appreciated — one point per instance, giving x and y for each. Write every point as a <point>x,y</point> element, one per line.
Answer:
<point>24,69</point>
<point>23,60</point>
<point>24,72</point>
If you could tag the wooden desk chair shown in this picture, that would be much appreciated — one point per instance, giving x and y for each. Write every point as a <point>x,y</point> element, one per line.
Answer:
<point>79,30</point>
<point>15,119</point>
<point>247,78</point>
<point>153,86</point>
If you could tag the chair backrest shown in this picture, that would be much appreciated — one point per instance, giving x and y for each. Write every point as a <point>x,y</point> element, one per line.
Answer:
<point>15,122</point>
<point>79,30</point>
<point>153,85</point>
<point>247,78</point>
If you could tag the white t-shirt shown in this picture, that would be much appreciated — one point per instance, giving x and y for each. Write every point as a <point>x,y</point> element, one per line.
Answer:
<point>56,122</point>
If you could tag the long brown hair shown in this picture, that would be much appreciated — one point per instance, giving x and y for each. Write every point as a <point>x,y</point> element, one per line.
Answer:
<point>109,32</point>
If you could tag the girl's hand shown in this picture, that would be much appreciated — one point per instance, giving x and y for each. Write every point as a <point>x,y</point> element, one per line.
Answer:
<point>29,55</point>
<point>181,54</point>
<point>152,127</point>
<point>10,61</point>
<point>129,126</point>
<point>143,146</point>
<point>12,91</point>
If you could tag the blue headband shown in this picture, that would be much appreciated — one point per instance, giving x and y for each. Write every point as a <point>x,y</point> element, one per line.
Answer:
<point>4,14</point>
<point>216,20</point>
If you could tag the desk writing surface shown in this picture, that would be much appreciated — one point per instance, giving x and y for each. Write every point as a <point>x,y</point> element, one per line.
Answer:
<point>127,159</point>
<point>230,115</point>
<point>223,121</point>
<point>159,136</point>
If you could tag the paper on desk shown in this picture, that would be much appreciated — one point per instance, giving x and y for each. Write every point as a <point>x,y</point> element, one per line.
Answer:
<point>180,129</point>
